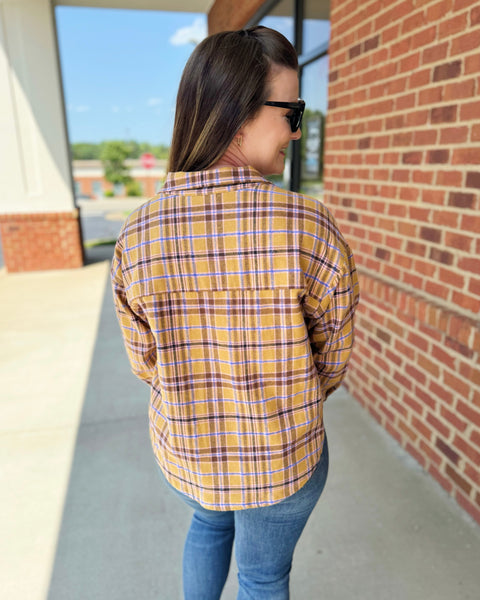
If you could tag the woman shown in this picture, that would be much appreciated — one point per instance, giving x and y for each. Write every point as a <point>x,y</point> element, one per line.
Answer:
<point>236,302</point>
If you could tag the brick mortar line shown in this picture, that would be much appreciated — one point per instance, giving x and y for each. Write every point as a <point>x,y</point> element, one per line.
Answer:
<point>421,67</point>
<point>422,166</point>
<point>402,37</point>
<point>366,5</point>
<point>438,303</point>
<point>406,129</point>
<point>419,108</point>
<point>412,148</point>
<point>405,253</point>
<point>464,459</point>
<point>453,210</point>
<point>456,356</point>
<point>387,45</point>
<point>416,91</point>
<point>459,254</point>
<point>355,106</point>
<point>400,185</point>
<point>378,305</point>
<point>379,134</point>
<point>401,149</point>
<point>437,167</point>
<point>356,26</point>
<point>430,261</point>
<point>399,188</point>
<point>345,62</point>
<point>432,279</point>
<point>475,504</point>
<point>375,213</point>
<point>421,296</point>
<point>444,421</point>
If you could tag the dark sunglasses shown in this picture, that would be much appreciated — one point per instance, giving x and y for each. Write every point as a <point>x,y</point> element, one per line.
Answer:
<point>296,114</point>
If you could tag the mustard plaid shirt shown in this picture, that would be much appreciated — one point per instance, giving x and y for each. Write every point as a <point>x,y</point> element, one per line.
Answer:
<point>236,301</point>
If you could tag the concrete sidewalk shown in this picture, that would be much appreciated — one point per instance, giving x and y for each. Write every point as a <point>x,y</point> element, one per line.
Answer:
<point>84,515</point>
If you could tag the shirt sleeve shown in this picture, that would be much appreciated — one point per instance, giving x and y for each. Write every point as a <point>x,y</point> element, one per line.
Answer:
<point>137,335</point>
<point>330,323</point>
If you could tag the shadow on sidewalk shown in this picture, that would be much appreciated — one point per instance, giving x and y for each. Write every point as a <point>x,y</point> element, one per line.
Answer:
<point>121,535</point>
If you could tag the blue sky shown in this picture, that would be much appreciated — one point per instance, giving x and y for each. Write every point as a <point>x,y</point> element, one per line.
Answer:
<point>121,70</point>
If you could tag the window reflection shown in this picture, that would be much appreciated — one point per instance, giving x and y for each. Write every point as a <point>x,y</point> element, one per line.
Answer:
<point>281,19</point>
<point>316,25</point>
<point>307,160</point>
<point>314,92</point>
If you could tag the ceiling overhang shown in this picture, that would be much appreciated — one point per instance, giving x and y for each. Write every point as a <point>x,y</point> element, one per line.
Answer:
<point>193,6</point>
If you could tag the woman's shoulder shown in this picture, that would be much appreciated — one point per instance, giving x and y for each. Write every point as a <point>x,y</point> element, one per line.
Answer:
<point>311,206</point>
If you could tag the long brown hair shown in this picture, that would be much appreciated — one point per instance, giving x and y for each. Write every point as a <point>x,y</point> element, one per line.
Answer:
<point>224,83</point>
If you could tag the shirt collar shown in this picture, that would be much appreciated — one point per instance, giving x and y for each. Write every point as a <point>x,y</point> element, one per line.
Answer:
<point>222,176</point>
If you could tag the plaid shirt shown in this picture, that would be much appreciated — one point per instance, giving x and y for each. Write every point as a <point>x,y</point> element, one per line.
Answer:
<point>236,301</point>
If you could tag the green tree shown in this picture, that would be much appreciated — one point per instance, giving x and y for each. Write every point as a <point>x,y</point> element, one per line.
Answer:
<point>113,154</point>
<point>160,151</point>
<point>133,188</point>
<point>85,151</point>
<point>133,149</point>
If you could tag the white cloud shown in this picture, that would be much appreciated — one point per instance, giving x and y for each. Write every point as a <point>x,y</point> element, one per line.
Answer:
<point>154,101</point>
<point>193,34</point>
<point>115,109</point>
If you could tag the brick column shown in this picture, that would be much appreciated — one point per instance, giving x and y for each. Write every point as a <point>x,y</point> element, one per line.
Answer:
<point>402,176</point>
<point>39,224</point>
<point>37,242</point>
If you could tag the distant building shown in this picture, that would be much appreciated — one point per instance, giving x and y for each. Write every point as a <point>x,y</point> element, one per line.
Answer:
<point>89,180</point>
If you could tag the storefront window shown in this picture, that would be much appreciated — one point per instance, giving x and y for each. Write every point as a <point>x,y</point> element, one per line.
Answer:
<point>304,165</point>
<point>119,189</point>
<point>316,25</point>
<point>314,92</point>
<point>97,190</point>
<point>281,19</point>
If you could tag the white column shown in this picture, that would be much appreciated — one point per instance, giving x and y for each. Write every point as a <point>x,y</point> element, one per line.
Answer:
<point>35,171</point>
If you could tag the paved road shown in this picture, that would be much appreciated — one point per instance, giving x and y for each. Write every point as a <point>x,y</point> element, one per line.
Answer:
<point>103,219</point>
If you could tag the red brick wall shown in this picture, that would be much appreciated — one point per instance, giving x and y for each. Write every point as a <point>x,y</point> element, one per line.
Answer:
<point>37,242</point>
<point>85,184</point>
<point>402,176</point>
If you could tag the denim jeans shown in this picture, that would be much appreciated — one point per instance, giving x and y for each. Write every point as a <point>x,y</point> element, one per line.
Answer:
<point>265,539</point>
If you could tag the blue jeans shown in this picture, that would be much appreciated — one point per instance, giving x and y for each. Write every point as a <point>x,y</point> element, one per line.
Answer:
<point>265,539</point>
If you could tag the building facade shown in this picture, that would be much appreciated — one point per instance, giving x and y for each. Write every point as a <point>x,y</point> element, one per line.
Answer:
<point>90,183</point>
<point>401,174</point>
